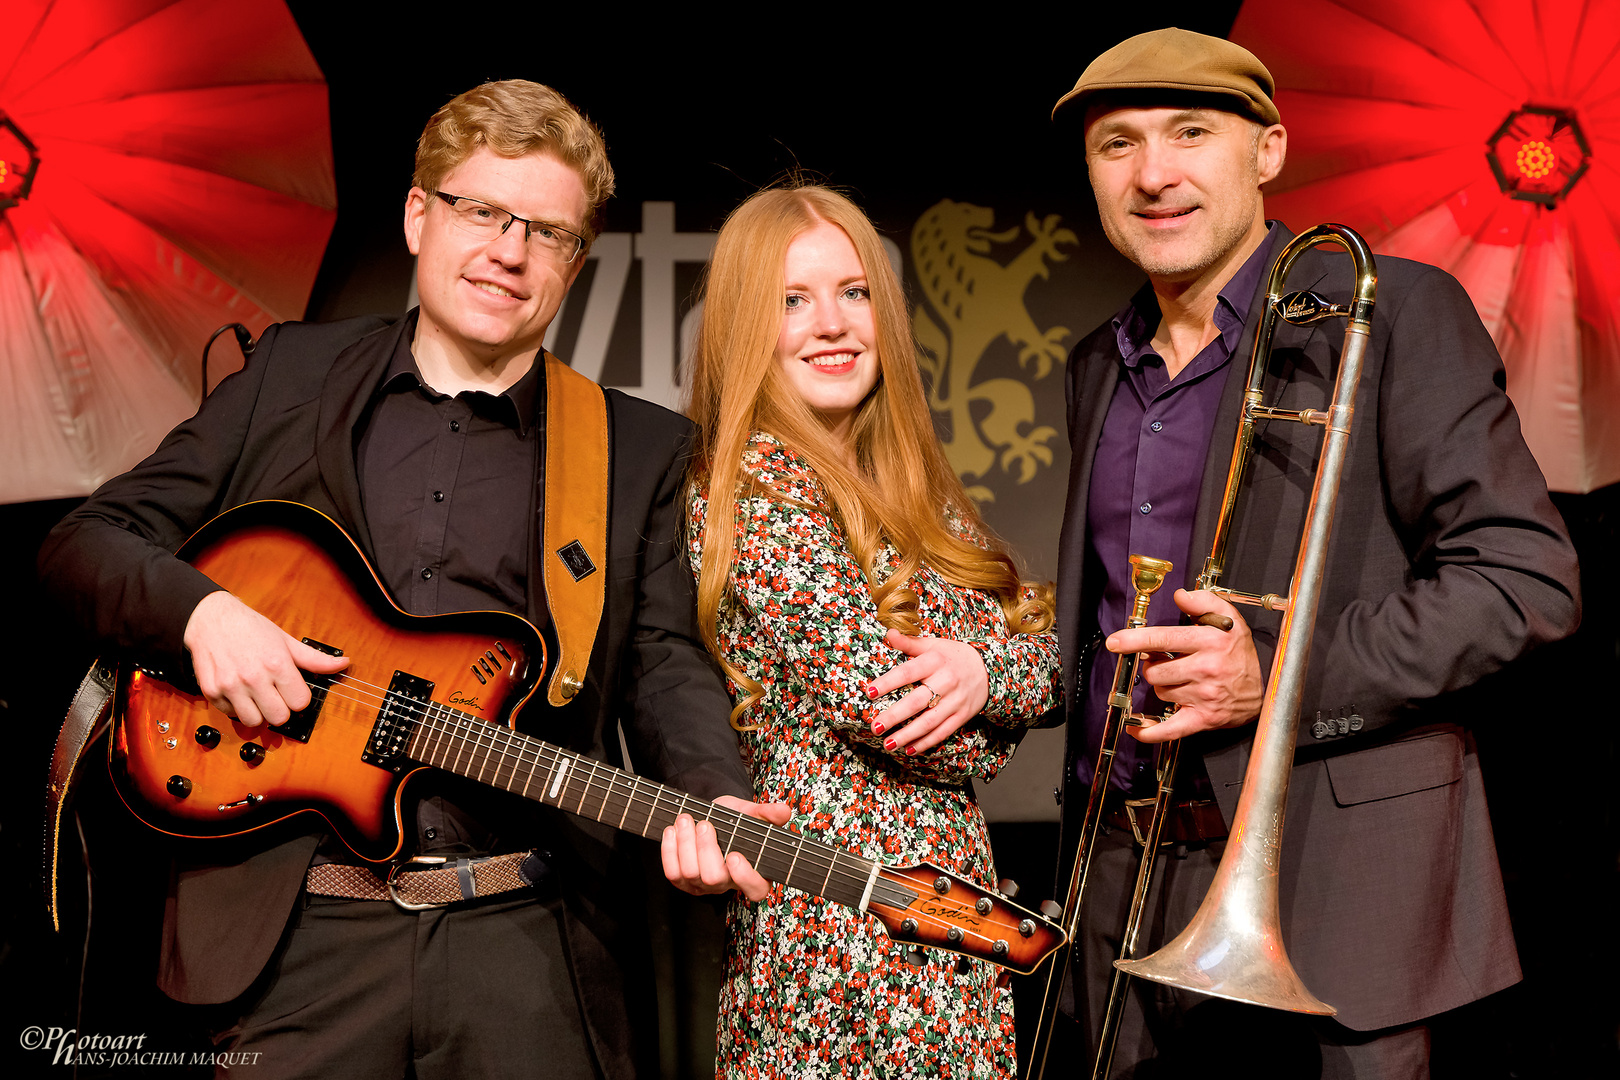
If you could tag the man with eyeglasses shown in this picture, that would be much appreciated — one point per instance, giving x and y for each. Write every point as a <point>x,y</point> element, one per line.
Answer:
<point>426,439</point>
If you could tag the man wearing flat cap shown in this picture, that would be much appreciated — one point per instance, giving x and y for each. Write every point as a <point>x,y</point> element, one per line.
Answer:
<point>1447,563</point>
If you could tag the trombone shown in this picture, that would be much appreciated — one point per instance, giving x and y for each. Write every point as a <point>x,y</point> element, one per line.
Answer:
<point>1239,921</point>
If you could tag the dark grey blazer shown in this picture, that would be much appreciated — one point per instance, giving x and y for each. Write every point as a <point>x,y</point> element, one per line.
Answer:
<point>1447,562</point>
<point>285,428</point>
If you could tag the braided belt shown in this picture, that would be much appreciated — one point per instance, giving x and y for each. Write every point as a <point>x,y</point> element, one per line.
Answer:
<point>449,882</point>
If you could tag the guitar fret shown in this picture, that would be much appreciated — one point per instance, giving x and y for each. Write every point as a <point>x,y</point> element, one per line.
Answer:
<point>635,783</point>
<point>787,879</point>
<point>529,777</point>
<point>585,789</point>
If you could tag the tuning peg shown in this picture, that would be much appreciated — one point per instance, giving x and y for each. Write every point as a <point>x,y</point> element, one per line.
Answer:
<point>1007,887</point>
<point>915,958</point>
<point>1051,910</point>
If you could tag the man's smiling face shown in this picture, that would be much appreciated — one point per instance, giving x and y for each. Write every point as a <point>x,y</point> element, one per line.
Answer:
<point>492,299</point>
<point>1178,188</point>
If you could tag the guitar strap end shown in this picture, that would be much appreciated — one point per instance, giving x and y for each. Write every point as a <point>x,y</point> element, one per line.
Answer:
<point>90,703</point>
<point>574,528</point>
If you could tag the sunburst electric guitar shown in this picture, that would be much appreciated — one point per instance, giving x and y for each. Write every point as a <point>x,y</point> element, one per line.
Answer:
<point>443,692</point>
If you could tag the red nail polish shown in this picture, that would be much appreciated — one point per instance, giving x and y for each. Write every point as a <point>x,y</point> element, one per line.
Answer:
<point>911,749</point>
<point>888,744</point>
<point>877,729</point>
<point>871,691</point>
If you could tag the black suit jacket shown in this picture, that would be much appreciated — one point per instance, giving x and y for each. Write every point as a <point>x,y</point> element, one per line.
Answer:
<point>1447,562</point>
<point>286,427</point>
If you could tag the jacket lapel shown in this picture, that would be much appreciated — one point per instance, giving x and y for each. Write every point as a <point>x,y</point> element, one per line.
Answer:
<point>1099,374</point>
<point>345,397</point>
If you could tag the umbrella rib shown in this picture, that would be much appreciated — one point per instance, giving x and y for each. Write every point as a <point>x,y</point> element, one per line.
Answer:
<point>69,140</point>
<point>267,84</point>
<point>1364,16</point>
<point>1597,70</point>
<point>33,35</point>
<point>1402,160</point>
<point>1490,32</point>
<point>207,264</point>
<point>1335,95</point>
<point>94,45</point>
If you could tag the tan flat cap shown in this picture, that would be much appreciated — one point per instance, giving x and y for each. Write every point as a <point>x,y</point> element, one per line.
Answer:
<point>1182,61</point>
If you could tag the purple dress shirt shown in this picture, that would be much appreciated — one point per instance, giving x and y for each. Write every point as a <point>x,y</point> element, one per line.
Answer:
<point>1144,489</point>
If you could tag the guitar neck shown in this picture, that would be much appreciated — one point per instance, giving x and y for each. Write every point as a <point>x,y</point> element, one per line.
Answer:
<point>494,755</point>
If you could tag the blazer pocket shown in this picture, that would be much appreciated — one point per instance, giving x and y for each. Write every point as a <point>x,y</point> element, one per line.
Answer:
<point>1399,768</point>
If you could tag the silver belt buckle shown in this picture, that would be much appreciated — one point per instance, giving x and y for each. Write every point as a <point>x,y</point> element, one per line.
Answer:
<point>399,868</point>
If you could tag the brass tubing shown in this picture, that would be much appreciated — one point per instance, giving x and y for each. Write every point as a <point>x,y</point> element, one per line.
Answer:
<point>1147,575</point>
<point>1233,947</point>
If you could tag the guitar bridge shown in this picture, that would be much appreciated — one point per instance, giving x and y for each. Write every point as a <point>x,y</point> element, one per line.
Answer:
<point>405,703</point>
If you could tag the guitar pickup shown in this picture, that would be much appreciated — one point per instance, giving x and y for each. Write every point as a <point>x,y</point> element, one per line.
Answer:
<point>299,725</point>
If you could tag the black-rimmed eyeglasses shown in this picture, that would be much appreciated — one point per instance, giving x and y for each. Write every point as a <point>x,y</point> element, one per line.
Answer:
<point>488,221</point>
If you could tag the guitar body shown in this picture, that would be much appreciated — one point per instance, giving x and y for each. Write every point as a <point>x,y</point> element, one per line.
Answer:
<point>187,769</point>
<point>443,692</point>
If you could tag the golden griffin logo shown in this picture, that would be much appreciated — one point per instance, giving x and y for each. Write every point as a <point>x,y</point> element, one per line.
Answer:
<point>973,300</point>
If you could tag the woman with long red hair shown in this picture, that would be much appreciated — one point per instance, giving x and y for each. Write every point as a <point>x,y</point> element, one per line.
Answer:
<point>878,643</point>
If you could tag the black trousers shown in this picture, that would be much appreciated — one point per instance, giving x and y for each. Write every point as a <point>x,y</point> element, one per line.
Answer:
<point>1167,1033</point>
<point>362,989</point>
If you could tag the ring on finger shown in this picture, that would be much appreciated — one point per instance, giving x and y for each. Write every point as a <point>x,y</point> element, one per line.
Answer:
<point>933,698</point>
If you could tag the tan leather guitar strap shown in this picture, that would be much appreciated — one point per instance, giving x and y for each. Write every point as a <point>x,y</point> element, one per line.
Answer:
<point>574,544</point>
<point>84,715</point>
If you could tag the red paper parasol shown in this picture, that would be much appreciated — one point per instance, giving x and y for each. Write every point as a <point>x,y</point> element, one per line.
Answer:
<point>1482,136</point>
<point>181,178</point>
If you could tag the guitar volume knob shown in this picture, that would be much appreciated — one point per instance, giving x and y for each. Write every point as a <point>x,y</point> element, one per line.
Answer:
<point>179,786</point>
<point>207,737</point>
<point>252,753</point>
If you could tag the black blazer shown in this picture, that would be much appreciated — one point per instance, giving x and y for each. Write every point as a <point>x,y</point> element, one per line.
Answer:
<point>285,427</point>
<point>1447,562</point>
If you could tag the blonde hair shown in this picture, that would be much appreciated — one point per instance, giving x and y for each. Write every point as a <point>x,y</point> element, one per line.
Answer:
<point>900,485</point>
<point>514,118</point>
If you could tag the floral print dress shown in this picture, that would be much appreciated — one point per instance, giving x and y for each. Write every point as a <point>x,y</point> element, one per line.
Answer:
<point>812,988</point>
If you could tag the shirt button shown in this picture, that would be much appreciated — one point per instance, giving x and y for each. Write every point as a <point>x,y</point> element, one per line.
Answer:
<point>429,833</point>
<point>438,496</point>
<point>427,572</point>
<point>1145,507</point>
<point>1157,425</point>
<point>455,425</point>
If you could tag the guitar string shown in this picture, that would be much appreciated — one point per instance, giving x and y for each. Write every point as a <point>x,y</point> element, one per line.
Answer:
<point>827,863</point>
<point>449,720</point>
<point>472,729</point>
<point>832,864</point>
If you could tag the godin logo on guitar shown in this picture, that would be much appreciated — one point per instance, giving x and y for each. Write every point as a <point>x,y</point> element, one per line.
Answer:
<point>953,912</point>
<point>458,698</point>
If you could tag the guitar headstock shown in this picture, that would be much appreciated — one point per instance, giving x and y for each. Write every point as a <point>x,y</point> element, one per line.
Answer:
<point>923,905</point>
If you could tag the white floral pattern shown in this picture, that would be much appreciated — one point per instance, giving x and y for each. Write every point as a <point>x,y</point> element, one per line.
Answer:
<point>812,988</point>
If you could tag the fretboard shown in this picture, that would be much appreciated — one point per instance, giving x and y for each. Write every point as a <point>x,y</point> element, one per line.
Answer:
<point>490,754</point>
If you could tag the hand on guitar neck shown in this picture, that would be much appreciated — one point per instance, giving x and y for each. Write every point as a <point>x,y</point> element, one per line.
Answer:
<point>694,863</point>
<point>246,665</point>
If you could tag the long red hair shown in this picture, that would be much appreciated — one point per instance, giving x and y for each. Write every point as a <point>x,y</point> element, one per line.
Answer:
<point>899,488</point>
